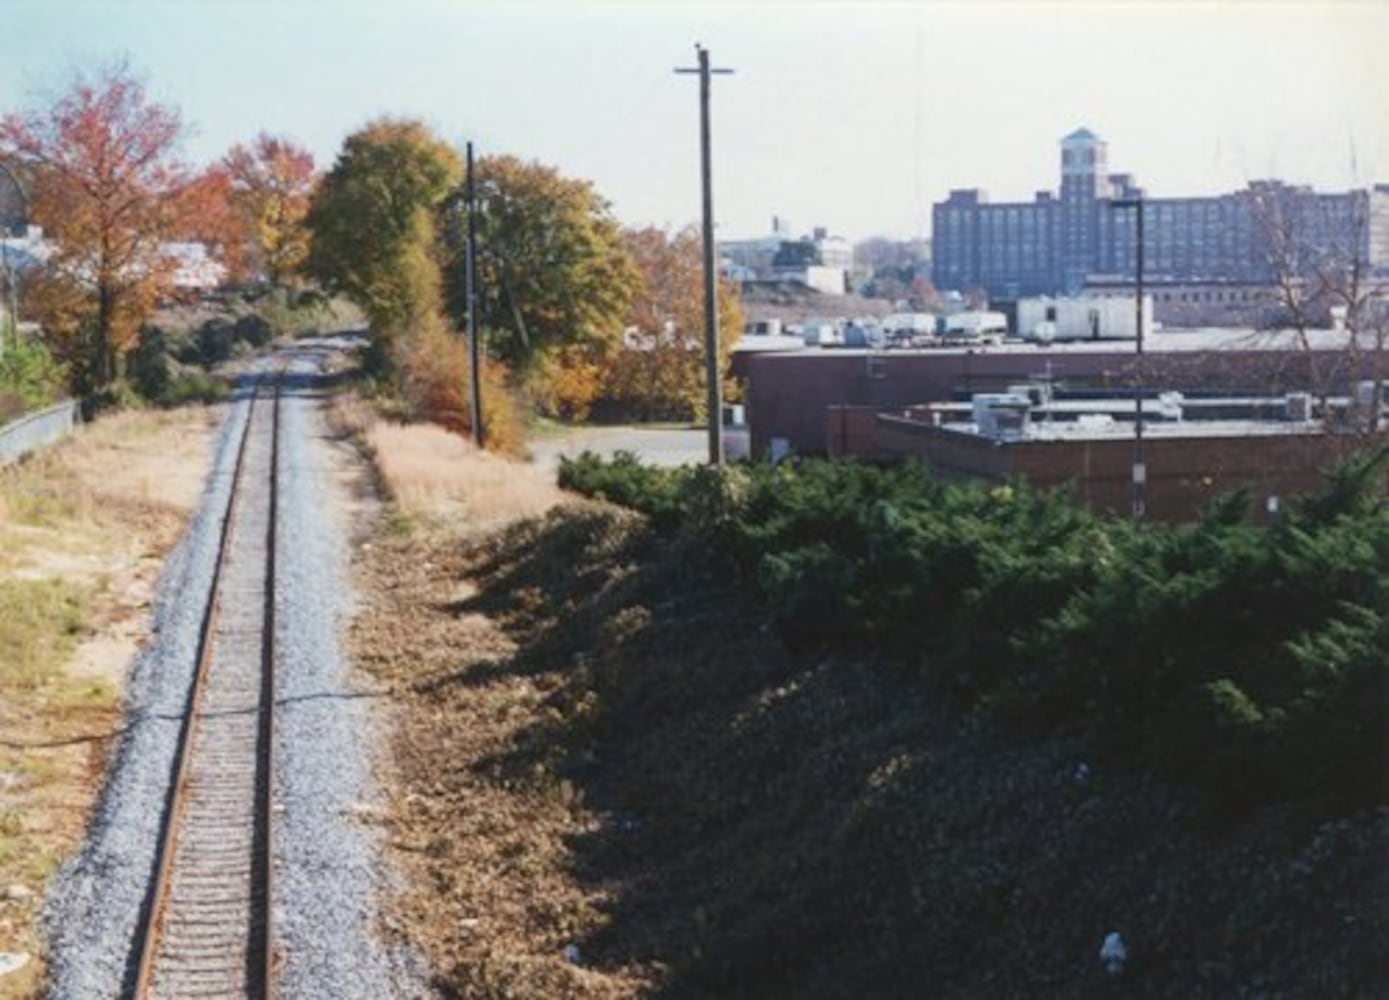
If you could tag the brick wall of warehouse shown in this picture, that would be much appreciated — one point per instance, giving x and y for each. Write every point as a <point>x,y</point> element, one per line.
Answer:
<point>1184,473</point>
<point>789,394</point>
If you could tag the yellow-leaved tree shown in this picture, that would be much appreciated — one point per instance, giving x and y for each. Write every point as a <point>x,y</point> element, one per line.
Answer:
<point>555,279</point>
<point>271,182</point>
<point>372,231</point>
<point>659,374</point>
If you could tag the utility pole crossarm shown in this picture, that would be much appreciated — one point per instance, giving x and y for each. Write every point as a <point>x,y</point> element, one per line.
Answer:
<point>711,309</point>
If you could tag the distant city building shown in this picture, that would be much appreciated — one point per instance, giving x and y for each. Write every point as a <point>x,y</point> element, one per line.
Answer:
<point>25,250</point>
<point>1060,245</point>
<point>819,261</point>
<point>194,270</point>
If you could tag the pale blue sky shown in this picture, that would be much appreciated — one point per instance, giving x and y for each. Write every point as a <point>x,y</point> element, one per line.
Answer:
<point>851,115</point>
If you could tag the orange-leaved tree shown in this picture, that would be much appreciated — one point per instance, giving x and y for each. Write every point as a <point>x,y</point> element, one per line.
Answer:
<point>660,372</point>
<point>271,183</point>
<point>436,386</point>
<point>104,183</point>
<point>207,214</point>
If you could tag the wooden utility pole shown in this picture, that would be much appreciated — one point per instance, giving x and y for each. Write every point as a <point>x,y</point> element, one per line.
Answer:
<point>470,276</point>
<point>711,302</point>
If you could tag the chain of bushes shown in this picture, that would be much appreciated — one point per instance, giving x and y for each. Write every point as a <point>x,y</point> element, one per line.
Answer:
<point>1249,660</point>
<point>171,366</point>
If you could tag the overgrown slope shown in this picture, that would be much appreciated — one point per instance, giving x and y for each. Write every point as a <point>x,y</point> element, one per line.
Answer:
<point>724,816</point>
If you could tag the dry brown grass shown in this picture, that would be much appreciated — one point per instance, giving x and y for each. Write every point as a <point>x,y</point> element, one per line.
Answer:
<point>438,477</point>
<point>492,897</point>
<point>84,528</point>
<point>438,480</point>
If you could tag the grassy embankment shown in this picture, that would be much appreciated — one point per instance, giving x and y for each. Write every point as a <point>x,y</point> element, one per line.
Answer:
<point>865,749</point>
<point>83,531</point>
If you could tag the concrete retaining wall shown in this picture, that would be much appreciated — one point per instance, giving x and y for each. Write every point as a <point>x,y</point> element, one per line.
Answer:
<point>37,430</point>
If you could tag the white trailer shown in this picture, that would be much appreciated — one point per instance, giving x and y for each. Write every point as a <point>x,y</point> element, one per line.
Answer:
<point>1082,317</point>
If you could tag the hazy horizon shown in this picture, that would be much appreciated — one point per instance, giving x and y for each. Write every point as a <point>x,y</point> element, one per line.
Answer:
<point>851,116</point>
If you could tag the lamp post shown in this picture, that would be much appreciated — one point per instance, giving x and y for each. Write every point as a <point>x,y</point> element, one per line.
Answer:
<point>1140,466</point>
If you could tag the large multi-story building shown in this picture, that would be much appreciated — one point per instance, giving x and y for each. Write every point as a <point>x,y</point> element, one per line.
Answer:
<point>1055,245</point>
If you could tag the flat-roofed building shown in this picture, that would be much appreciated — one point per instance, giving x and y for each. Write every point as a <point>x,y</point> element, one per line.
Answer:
<point>1058,245</point>
<point>1189,463</point>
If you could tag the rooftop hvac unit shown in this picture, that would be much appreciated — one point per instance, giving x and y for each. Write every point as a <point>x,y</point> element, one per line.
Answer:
<point>1001,416</point>
<point>1095,422</point>
<point>1170,405</point>
<point>1038,393</point>
<point>1299,407</point>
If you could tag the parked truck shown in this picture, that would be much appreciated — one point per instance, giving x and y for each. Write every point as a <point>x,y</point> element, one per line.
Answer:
<point>975,327</point>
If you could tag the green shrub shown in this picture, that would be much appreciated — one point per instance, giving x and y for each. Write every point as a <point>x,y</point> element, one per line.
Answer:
<point>1249,660</point>
<point>29,375</point>
<point>150,365</point>
<point>159,378</point>
<point>194,387</point>
<point>625,481</point>
<point>290,313</point>
<point>214,342</point>
<point>254,330</point>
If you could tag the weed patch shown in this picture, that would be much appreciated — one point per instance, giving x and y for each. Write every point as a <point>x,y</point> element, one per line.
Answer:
<point>40,623</point>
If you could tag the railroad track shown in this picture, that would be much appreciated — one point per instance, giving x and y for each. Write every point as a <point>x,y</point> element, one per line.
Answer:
<point>206,926</point>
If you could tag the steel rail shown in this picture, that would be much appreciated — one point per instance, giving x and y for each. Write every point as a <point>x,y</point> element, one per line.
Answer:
<point>155,912</point>
<point>267,715</point>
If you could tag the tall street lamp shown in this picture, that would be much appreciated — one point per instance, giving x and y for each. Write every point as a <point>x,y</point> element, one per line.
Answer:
<point>1140,467</point>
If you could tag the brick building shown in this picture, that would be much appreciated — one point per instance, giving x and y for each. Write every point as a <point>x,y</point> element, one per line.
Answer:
<point>790,393</point>
<point>1189,465</point>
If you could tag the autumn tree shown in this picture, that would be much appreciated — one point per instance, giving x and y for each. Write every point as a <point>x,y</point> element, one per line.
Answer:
<point>554,277</point>
<point>270,183</point>
<point>104,183</point>
<point>206,214</point>
<point>372,230</point>
<point>660,371</point>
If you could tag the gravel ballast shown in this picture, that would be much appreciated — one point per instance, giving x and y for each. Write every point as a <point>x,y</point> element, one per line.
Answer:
<point>327,859</point>
<point>326,856</point>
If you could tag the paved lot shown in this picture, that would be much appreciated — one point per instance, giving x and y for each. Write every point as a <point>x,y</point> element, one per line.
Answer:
<point>658,446</point>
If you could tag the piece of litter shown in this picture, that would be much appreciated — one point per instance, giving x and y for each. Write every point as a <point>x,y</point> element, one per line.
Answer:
<point>1113,954</point>
<point>12,961</point>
